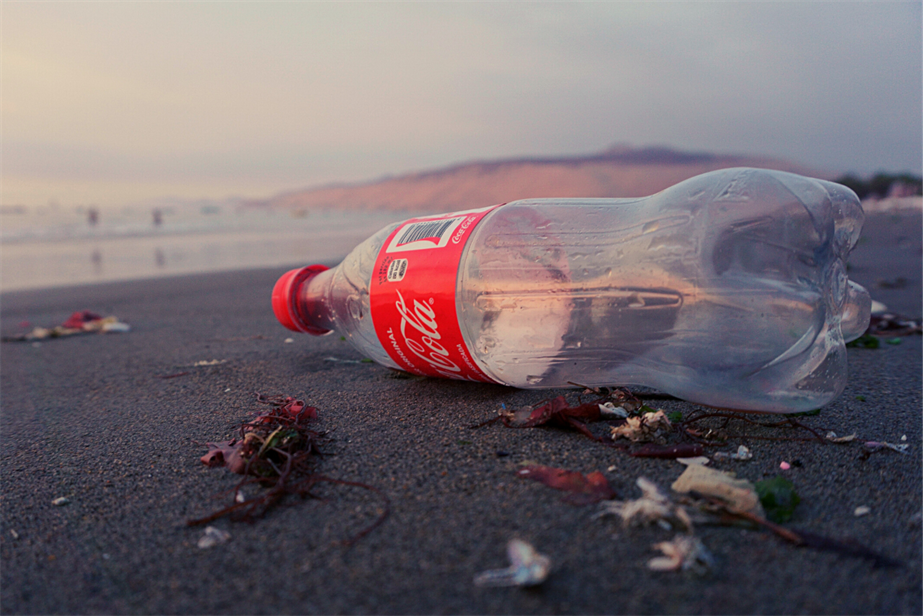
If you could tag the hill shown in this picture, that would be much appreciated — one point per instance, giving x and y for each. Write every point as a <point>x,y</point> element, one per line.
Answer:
<point>616,172</point>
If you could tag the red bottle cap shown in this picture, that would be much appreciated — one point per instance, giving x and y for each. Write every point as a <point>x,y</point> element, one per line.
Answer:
<point>284,295</point>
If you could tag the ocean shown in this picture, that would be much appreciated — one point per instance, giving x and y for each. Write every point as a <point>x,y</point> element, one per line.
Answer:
<point>54,246</point>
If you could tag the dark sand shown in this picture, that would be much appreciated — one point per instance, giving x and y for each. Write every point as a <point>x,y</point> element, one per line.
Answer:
<point>88,419</point>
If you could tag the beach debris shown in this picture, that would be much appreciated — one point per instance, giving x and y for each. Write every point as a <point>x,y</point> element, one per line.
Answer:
<point>778,498</point>
<point>654,507</point>
<point>833,438</point>
<point>682,553</point>
<point>890,324</point>
<point>737,494</point>
<point>212,537</point>
<point>289,341</point>
<point>702,460</point>
<point>276,450</point>
<point>683,450</point>
<point>582,489</point>
<point>608,410</point>
<point>861,510</point>
<point>650,427</point>
<point>881,445</point>
<point>784,465</point>
<point>865,341</point>
<point>14,534</point>
<point>80,322</point>
<point>60,501</point>
<point>527,567</point>
<point>742,454</point>
<point>610,405</point>
<point>558,413</point>
<point>342,361</point>
<point>209,362</point>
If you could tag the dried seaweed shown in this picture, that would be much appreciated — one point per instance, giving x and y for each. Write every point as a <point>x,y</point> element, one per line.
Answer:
<point>807,539</point>
<point>720,435</point>
<point>558,413</point>
<point>80,322</point>
<point>582,489</point>
<point>278,451</point>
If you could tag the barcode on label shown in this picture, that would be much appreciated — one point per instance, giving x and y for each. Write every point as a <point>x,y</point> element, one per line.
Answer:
<point>425,234</point>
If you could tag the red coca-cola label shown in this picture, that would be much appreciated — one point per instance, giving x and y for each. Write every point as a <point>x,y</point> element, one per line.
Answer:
<point>412,296</point>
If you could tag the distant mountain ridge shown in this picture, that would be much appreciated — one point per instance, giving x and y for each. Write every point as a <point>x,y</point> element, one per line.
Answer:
<point>617,172</point>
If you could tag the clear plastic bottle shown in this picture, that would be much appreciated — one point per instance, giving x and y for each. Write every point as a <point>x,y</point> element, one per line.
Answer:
<point>728,289</point>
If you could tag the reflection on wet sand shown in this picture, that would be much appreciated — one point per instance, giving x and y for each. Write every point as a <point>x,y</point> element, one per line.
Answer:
<point>96,258</point>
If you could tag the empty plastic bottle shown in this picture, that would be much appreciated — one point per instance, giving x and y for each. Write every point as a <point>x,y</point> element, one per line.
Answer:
<point>728,289</point>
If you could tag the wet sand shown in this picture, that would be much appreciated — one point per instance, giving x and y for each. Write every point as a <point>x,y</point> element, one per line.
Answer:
<point>89,419</point>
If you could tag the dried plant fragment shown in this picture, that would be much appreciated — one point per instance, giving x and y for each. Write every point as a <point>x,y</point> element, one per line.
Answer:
<point>650,427</point>
<point>654,507</point>
<point>742,454</point>
<point>833,438</point>
<point>582,489</point>
<point>212,537</point>
<point>701,460</point>
<point>683,553</point>
<point>881,445</point>
<point>609,410</point>
<point>739,494</point>
<point>527,567</point>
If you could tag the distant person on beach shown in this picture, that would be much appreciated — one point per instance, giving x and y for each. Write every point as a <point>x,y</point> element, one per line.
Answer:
<point>158,217</point>
<point>92,216</point>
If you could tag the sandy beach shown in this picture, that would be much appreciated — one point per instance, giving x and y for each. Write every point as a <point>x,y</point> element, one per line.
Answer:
<point>114,423</point>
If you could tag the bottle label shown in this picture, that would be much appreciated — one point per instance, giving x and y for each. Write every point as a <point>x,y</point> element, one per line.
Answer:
<point>412,295</point>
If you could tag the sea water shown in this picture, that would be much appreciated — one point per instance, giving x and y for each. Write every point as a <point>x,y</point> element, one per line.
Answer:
<point>55,245</point>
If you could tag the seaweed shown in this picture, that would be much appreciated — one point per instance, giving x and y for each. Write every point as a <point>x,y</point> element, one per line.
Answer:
<point>276,450</point>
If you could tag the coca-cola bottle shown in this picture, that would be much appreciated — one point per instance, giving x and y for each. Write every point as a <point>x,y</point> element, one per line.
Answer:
<point>728,289</point>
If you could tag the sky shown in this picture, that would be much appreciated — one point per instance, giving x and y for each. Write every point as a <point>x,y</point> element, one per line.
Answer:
<point>117,102</point>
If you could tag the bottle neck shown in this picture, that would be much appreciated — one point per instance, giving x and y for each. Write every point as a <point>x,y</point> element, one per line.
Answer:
<point>312,303</point>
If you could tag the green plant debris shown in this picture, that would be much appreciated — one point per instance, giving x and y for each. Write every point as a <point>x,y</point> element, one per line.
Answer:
<point>778,497</point>
<point>866,341</point>
<point>675,416</point>
<point>894,341</point>
<point>860,398</point>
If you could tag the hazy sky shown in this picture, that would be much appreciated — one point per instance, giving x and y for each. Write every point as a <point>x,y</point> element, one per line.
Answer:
<point>111,102</point>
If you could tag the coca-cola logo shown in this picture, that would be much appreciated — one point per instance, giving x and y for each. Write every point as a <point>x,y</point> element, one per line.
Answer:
<point>463,228</point>
<point>422,336</point>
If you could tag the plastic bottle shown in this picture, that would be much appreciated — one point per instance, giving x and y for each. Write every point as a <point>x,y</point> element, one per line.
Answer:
<point>728,289</point>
